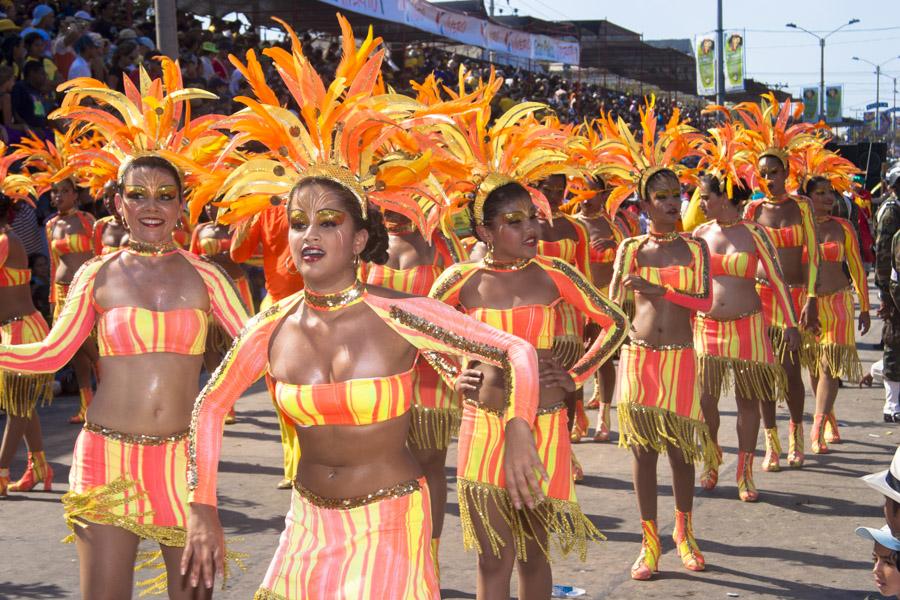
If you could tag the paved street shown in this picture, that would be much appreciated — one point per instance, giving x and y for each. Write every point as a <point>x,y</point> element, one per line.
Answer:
<point>797,542</point>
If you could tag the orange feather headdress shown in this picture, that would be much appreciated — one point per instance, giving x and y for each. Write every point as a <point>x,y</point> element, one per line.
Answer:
<point>15,186</point>
<point>817,161</point>
<point>343,133</point>
<point>49,162</point>
<point>154,119</point>
<point>633,162</point>
<point>774,129</point>
<point>723,154</point>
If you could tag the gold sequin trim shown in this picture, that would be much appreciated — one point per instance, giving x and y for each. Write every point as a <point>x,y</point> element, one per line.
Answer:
<point>395,491</point>
<point>549,410</point>
<point>643,344</point>
<point>342,299</point>
<point>484,407</point>
<point>151,248</point>
<point>11,320</point>
<point>135,438</point>
<point>743,315</point>
<point>446,284</point>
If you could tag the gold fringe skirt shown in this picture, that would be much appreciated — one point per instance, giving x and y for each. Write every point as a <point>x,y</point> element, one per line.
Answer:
<point>435,410</point>
<point>835,346</point>
<point>737,354</point>
<point>20,393</point>
<point>481,482</point>
<point>658,396</point>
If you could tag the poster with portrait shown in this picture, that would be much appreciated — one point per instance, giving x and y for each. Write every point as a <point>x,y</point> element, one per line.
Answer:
<point>810,100</point>
<point>734,61</point>
<point>834,98</point>
<point>705,54</point>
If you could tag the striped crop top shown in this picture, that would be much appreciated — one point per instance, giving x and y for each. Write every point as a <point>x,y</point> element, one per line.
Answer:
<point>74,243</point>
<point>575,252</point>
<point>415,280</point>
<point>11,276</point>
<point>534,323</point>
<point>130,330</point>
<point>211,246</point>
<point>352,402</point>
<point>786,237</point>
<point>828,251</point>
<point>735,264</point>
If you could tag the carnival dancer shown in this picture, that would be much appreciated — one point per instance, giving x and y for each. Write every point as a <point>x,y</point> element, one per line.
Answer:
<point>832,352</point>
<point>150,303</point>
<point>774,147</point>
<point>69,234</point>
<point>667,275</point>
<point>110,234</point>
<point>342,352</point>
<point>605,233</point>
<point>731,339</point>
<point>517,290</point>
<point>20,323</point>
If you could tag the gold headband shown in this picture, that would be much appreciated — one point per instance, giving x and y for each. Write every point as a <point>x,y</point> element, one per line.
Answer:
<point>490,183</point>
<point>341,176</point>
<point>126,164</point>
<point>645,176</point>
<point>778,153</point>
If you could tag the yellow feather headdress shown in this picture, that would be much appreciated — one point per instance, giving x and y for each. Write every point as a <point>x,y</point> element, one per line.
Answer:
<point>154,118</point>
<point>15,186</point>
<point>636,161</point>
<point>595,158</point>
<point>773,129</point>
<point>723,155</point>
<point>343,133</point>
<point>817,161</point>
<point>49,162</point>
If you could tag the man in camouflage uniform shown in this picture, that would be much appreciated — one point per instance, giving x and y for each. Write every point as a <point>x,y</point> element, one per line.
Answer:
<point>887,267</point>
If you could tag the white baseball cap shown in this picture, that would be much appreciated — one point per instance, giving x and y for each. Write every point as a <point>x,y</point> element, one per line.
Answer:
<point>887,482</point>
<point>883,536</point>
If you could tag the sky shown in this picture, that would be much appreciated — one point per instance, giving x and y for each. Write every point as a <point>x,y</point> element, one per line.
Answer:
<point>775,54</point>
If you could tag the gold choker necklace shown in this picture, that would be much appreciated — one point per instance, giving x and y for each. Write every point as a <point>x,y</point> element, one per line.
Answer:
<point>151,248</point>
<point>726,224</point>
<point>664,237</point>
<point>338,300</point>
<point>68,213</point>
<point>512,265</point>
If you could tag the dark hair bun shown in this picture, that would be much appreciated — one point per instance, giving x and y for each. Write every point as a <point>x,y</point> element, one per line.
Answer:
<point>376,250</point>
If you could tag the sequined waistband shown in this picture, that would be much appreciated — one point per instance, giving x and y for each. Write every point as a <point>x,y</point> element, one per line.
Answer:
<point>730,319</point>
<point>395,491</point>
<point>643,344</point>
<point>135,438</point>
<point>542,410</point>
<point>11,320</point>
<point>843,290</point>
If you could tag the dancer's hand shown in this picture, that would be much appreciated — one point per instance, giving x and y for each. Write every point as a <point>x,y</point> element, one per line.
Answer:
<point>867,380</point>
<point>792,339</point>
<point>469,380</point>
<point>809,316</point>
<point>603,244</point>
<point>643,287</point>
<point>865,321</point>
<point>204,552</point>
<point>522,466</point>
<point>553,375</point>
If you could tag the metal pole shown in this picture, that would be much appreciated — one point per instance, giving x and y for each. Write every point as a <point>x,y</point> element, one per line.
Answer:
<point>720,57</point>
<point>877,99</point>
<point>821,79</point>
<point>166,27</point>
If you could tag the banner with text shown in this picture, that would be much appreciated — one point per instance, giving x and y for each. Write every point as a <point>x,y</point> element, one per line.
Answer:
<point>466,30</point>
<point>705,55</point>
<point>734,61</point>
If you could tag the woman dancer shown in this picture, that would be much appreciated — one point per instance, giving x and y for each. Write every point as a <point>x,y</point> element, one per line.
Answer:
<point>515,289</point>
<point>658,394</point>
<point>833,350</point>
<point>20,323</point>
<point>789,221</point>
<point>342,353</point>
<point>150,303</point>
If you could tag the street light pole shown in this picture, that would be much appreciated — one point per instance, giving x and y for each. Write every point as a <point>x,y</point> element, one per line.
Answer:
<point>877,87</point>
<point>822,39</point>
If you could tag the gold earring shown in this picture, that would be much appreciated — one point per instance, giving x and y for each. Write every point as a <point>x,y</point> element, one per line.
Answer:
<point>288,264</point>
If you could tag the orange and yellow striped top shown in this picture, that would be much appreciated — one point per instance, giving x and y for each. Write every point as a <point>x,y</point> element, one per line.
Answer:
<point>99,228</point>
<point>208,246</point>
<point>419,279</point>
<point>537,323</point>
<point>11,276</point>
<point>575,252</point>
<point>353,402</point>
<point>130,330</point>
<point>123,325</point>
<point>76,243</point>
<point>848,251</point>
<point>426,324</point>
<point>801,234</point>
<point>688,285</point>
